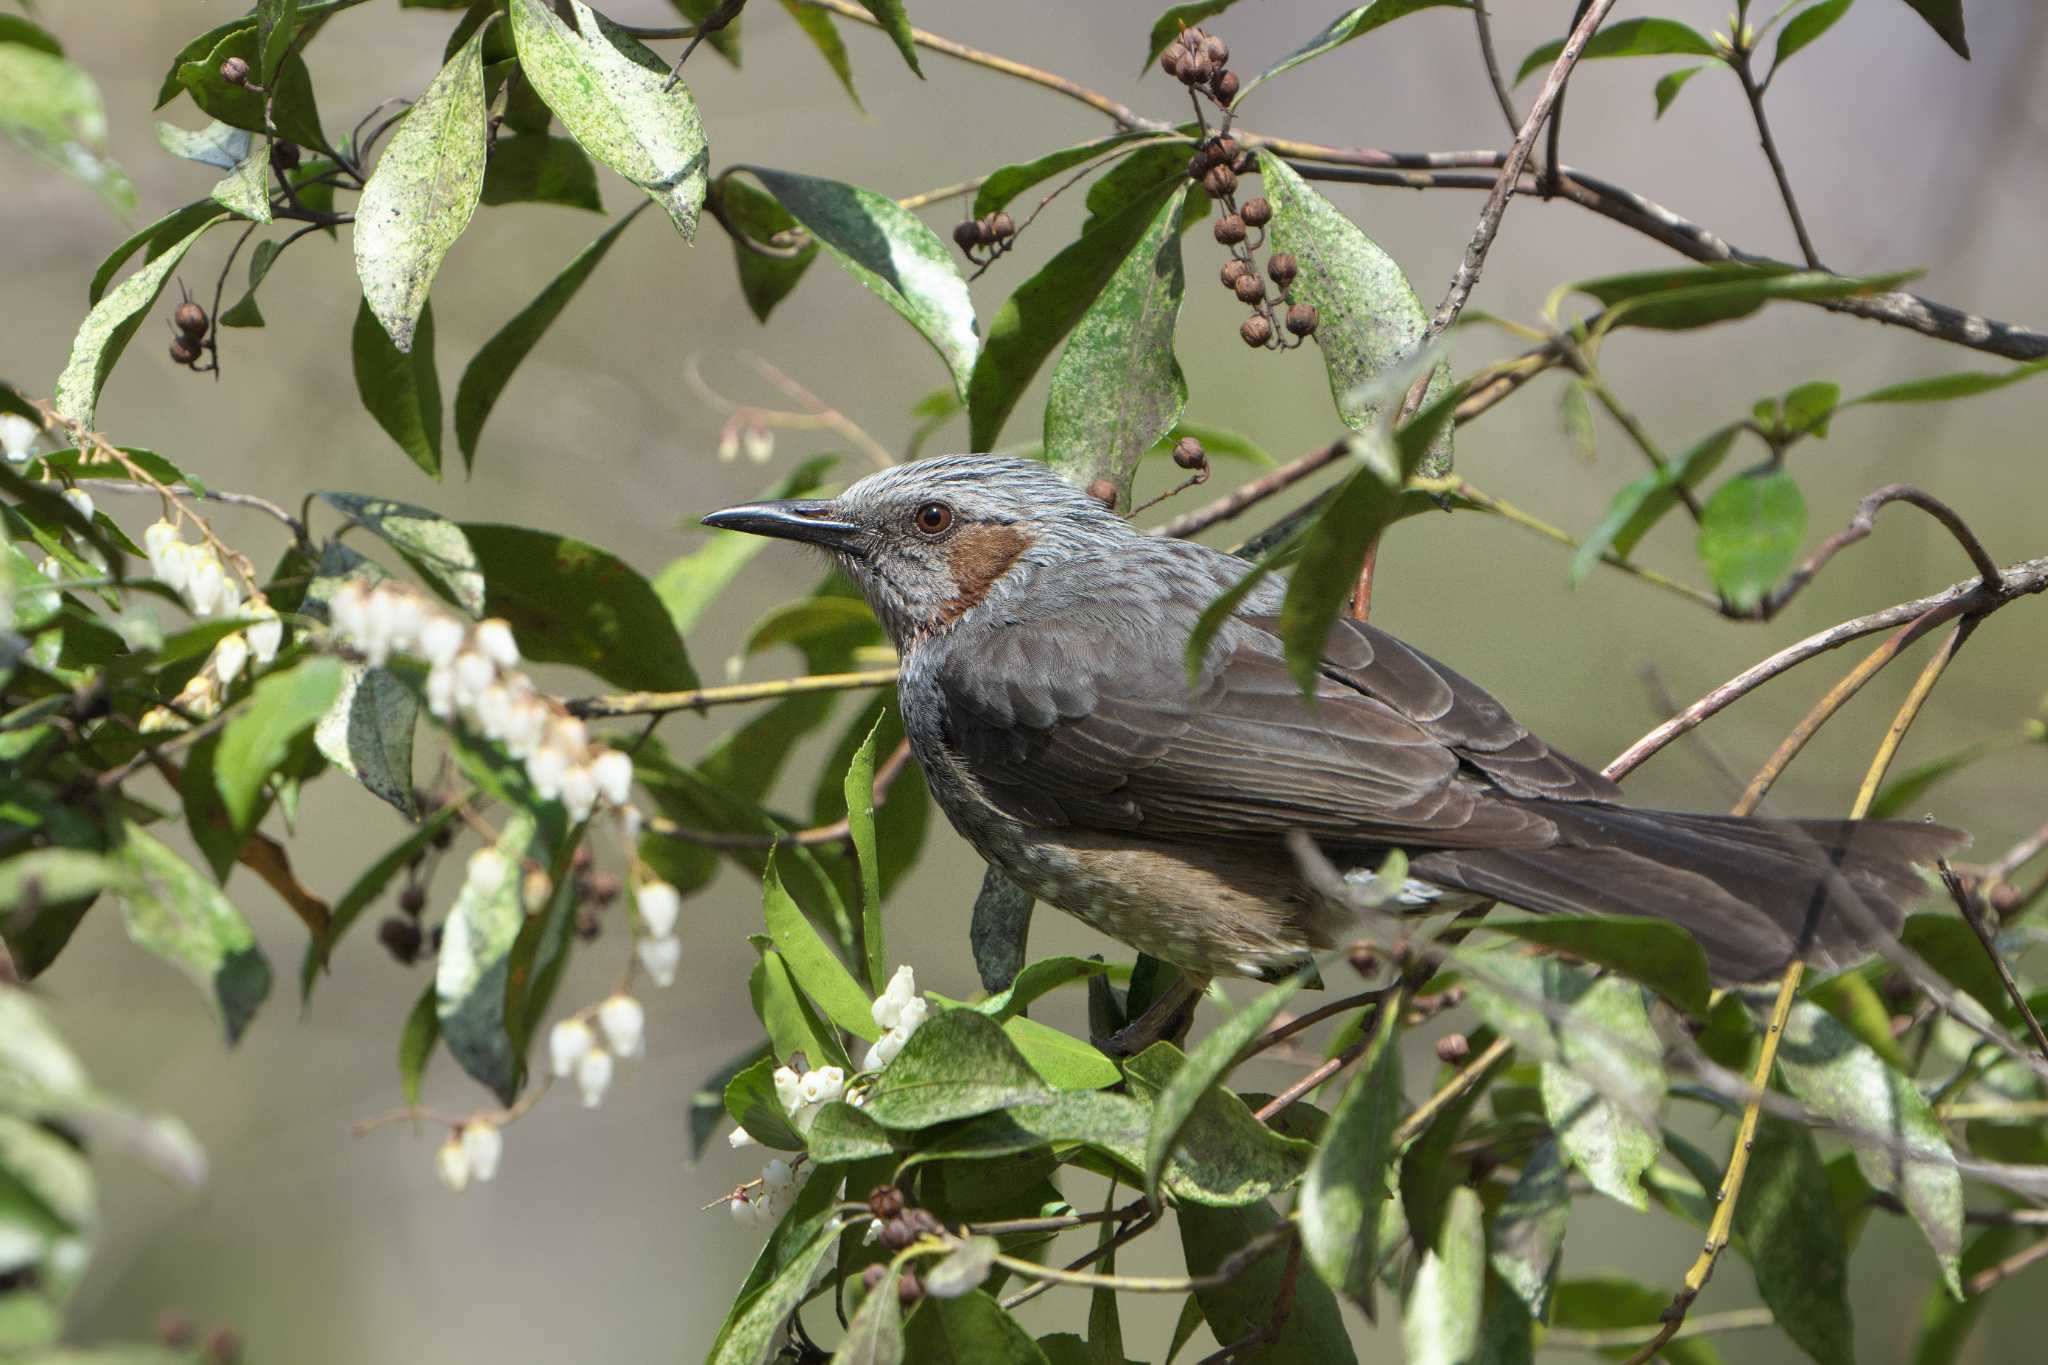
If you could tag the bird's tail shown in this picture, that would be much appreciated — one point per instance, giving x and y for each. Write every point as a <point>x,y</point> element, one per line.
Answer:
<point>1756,894</point>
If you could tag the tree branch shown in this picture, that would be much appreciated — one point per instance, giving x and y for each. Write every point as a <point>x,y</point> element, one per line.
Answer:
<point>1755,95</point>
<point>697,698</point>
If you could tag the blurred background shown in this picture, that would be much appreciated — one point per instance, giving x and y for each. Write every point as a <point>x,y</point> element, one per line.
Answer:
<point>320,1247</point>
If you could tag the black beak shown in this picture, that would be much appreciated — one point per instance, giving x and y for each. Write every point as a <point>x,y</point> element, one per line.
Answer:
<point>809,520</point>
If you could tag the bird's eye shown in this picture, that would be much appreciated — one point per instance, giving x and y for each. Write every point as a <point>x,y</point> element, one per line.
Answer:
<point>933,518</point>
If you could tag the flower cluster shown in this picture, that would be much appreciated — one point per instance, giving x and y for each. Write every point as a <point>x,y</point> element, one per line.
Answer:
<point>900,1010</point>
<point>470,1153</point>
<point>474,676</point>
<point>196,574</point>
<point>766,1202</point>
<point>575,1048</point>
<point>18,437</point>
<point>660,951</point>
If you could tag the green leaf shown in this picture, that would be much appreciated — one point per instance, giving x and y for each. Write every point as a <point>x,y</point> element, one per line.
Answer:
<point>1222,1154</point>
<point>1043,976</point>
<point>1909,788</point>
<point>422,193</point>
<point>416,1043</point>
<point>791,1022</point>
<point>473,974</point>
<point>488,374</point>
<point>245,189</point>
<point>177,913</point>
<point>1166,29</point>
<point>1061,1060</point>
<point>751,1100</point>
<point>818,26</point>
<point>1655,952</point>
<point>1644,503</point>
<point>277,22</point>
<point>1750,532</point>
<point>748,1335</point>
<point>15,29</point>
<point>767,275</point>
<point>890,251</point>
<point>368,733</point>
<point>53,110</point>
<point>219,145</point>
<point>283,705</point>
<point>1369,318</point>
<point>1118,387</point>
<point>1806,409</point>
<point>245,313</point>
<point>1942,387</point>
<point>971,1330</point>
<point>1345,1187</point>
<point>1945,17</point>
<point>1005,183</point>
<point>1670,83</point>
<point>1221,443</point>
<point>1949,946</point>
<point>534,168</point>
<point>607,88</point>
<point>875,1334</point>
<point>1788,1228</point>
<point>1609,1302</point>
<point>1313,1331</point>
<point>572,603</point>
<point>287,105</point>
<point>164,233</point>
<point>890,15</point>
<point>823,977</point>
<point>957,1065</point>
<point>860,826</point>
<point>1528,1230</point>
<point>1843,1080</point>
<point>1353,23</point>
<point>839,1132</point>
<point>1853,1001</point>
<point>107,328</point>
<point>365,890</point>
<point>724,41</point>
<point>400,388</point>
<point>1440,1322</point>
<point>1686,297</point>
<point>1625,38</point>
<point>693,581</point>
<point>430,543</point>
<point>997,929</point>
<point>962,1271</point>
<point>1045,308</point>
<point>1805,26</point>
<point>1208,1065</point>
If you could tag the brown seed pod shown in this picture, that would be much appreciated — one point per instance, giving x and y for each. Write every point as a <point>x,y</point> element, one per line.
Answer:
<point>1257,331</point>
<point>909,1289</point>
<point>1280,265</point>
<point>872,1276</point>
<point>1249,287</point>
<point>235,71</point>
<point>284,155</point>
<point>1234,267</point>
<point>985,230</point>
<point>1188,453</point>
<point>885,1202</point>
<point>1198,164</point>
<point>184,351</point>
<point>1196,70</point>
<point>1104,492</point>
<point>1224,86</point>
<point>966,234</point>
<point>601,888</point>
<point>1223,150</point>
<point>190,319</point>
<point>1216,50</point>
<point>1256,211</point>
<point>1002,226</point>
<point>1169,60</point>
<point>413,899</point>
<point>1453,1048</point>
<point>895,1235</point>
<point>1302,319</point>
<point>1229,229</point>
<point>223,1347</point>
<point>1220,181</point>
<point>401,938</point>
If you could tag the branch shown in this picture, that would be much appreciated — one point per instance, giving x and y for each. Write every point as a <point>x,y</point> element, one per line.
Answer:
<point>697,698</point>
<point>1755,95</point>
<point>1967,903</point>
<point>250,500</point>
<point>1862,523</point>
<point>1492,62</point>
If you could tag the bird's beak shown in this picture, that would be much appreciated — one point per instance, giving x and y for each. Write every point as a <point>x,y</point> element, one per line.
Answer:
<point>809,520</point>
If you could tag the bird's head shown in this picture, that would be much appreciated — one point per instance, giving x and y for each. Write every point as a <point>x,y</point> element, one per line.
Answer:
<point>927,542</point>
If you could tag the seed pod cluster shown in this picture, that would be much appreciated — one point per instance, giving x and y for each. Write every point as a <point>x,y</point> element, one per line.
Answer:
<point>190,322</point>
<point>986,237</point>
<point>1200,61</point>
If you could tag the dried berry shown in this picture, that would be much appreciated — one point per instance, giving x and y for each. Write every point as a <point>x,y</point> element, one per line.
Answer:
<point>885,1202</point>
<point>1234,267</point>
<point>909,1289</point>
<point>966,234</point>
<point>1230,229</point>
<point>1001,227</point>
<point>1223,150</point>
<point>1104,492</point>
<point>1302,319</point>
<point>1188,453</point>
<point>1249,288</point>
<point>235,71</point>
<point>1198,165</point>
<point>1220,181</point>
<point>1257,331</point>
<point>872,1276</point>
<point>1169,60</point>
<point>284,155</point>
<point>183,350</point>
<point>1282,268</point>
<point>401,938</point>
<point>1196,70</point>
<point>1246,163</point>
<point>190,319</point>
<point>1216,50</point>
<point>1224,86</point>
<point>413,899</point>
<point>985,230</point>
<point>1256,212</point>
<point>1453,1048</point>
<point>895,1235</point>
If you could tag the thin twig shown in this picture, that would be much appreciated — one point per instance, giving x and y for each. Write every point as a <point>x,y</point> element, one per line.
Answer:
<point>219,495</point>
<point>1754,93</point>
<point>1461,1081</point>
<point>712,23</point>
<point>1255,492</point>
<point>1102,1249</point>
<point>1329,1067</point>
<point>1603,1338</point>
<point>1862,523</point>
<point>1973,915</point>
<point>2011,1265</point>
<point>697,698</point>
<point>818,413</point>
<point>1492,62</point>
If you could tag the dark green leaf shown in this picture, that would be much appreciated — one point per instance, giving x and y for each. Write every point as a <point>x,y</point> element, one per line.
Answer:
<point>1941,387</point>
<point>724,41</point>
<point>473,973</point>
<point>537,169</point>
<point>1670,83</point>
<point>1909,1155</point>
<point>707,1101</point>
<point>1854,1002</point>
<point>971,1330</point>
<point>1441,1320</point>
<point>1945,17</point>
<point>1787,1225</point>
<point>1355,22</point>
<point>1906,791</point>
<point>1222,1153</point>
<point>1369,320</point>
<point>245,313</point>
<point>1005,183</point>
<point>364,891</point>
<point>401,389</point>
<point>609,92</point>
<point>287,105</point>
<point>1046,974</point>
<point>792,1023</point>
<point>1345,1187</point>
<point>1807,408</point>
<point>1208,1065</point>
<point>997,929</point>
<point>1118,386</point>
<point>894,22</point>
<point>1528,1231</point>
<point>823,977</point>
<point>875,1334</point>
<point>1750,532</point>
<point>958,1065</point>
<point>15,29</point>
<point>824,35</point>
<point>1313,1331</point>
<point>839,1132</point>
<point>860,824</point>
<point>178,914</point>
<point>766,275</point>
<point>1645,502</point>
<point>430,543</point>
<point>1624,38</point>
<point>1061,1060</point>
<point>1805,26</point>
<point>891,252</point>
<point>488,374</point>
<point>751,1100</point>
<point>165,233</point>
<point>416,1043</point>
<point>1946,1322</point>
<point>962,1271</point>
<point>1655,952</point>
<point>1610,1302</point>
<point>1947,944</point>
<point>749,1333</point>
<point>572,603</point>
<point>1045,308</point>
<point>1685,297</point>
<point>114,317</point>
<point>283,705</point>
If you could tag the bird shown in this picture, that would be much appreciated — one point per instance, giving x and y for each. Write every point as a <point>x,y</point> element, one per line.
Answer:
<point>1047,695</point>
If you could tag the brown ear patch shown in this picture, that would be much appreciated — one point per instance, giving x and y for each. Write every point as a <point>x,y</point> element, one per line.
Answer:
<point>977,557</point>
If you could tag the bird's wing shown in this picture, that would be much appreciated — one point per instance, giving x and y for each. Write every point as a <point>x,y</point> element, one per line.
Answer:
<point>1087,719</point>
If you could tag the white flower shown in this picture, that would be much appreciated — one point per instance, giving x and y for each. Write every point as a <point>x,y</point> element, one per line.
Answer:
<point>493,710</point>
<point>660,905</point>
<point>524,726</point>
<point>81,502</point>
<point>777,1175</point>
<point>158,540</point>
<point>759,443</point>
<point>740,1137</point>
<point>579,792</point>
<point>728,445</point>
<point>266,634</point>
<point>473,673</point>
<point>207,587</point>
<point>440,638</point>
<point>441,692</point>
<point>915,1012</point>
<point>629,824</point>
<point>624,1022</point>
<point>494,639</point>
<point>49,568</point>
<point>483,1144</point>
<point>452,1162</point>
<point>901,990</point>
<point>594,1076</point>
<point>742,1211</point>
<point>613,772</point>
<point>822,1085</point>
<point>788,1087</point>
<point>230,654</point>
<point>661,957</point>
<point>545,768</point>
<point>18,437</point>
<point>568,734</point>
<point>568,1040</point>
<point>487,870</point>
<point>348,609</point>
<point>884,1050</point>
